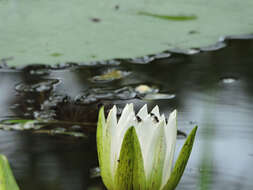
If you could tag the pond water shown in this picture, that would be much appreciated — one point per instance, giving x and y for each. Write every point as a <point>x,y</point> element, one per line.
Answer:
<point>211,89</point>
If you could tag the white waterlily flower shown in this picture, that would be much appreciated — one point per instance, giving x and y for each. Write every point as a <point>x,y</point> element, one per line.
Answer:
<point>136,152</point>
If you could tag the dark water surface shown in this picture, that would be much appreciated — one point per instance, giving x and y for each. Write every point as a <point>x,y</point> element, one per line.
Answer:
<point>211,89</point>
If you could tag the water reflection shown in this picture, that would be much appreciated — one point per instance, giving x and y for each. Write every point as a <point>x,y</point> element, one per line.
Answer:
<point>212,89</point>
<point>42,162</point>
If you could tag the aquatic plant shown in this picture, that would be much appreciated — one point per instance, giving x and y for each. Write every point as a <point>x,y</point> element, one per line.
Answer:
<point>7,180</point>
<point>136,152</point>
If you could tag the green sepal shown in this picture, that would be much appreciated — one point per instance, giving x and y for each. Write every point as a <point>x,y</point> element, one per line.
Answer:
<point>155,178</point>
<point>124,173</point>
<point>7,180</point>
<point>130,171</point>
<point>181,162</point>
<point>139,178</point>
<point>104,150</point>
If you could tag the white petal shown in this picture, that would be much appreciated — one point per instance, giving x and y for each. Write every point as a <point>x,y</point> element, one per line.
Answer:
<point>112,120</point>
<point>145,132</point>
<point>143,113</point>
<point>151,148</point>
<point>124,113</point>
<point>129,122</point>
<point>126,120</point>
<point>163,119</point>
<point>170,136</point>
<point>113,116</point>
<point>111,124</point>
<point>155,111</point>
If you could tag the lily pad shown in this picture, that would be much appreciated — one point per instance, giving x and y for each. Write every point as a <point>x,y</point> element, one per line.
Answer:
<point>111,75</point>
<point>158,96</point>
<point>61,31</point>
<point>40,126</point>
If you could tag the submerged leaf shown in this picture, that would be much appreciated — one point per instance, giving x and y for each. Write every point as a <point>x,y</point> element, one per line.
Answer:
<point>181,162</point>
<point>7,180</point>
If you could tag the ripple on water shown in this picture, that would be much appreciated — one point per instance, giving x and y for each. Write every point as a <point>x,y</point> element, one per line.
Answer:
<point>228,80</point>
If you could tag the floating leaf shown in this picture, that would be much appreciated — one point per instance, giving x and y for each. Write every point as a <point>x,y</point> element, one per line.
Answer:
<point>158,96</point>
<point>31,30</point>
<point>111,75</point>
<point>36,125</point>
<point>19,124</point>
<point>61,132</point>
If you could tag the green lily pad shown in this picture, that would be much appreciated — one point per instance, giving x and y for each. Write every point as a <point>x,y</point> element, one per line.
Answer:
<point>62,31</point>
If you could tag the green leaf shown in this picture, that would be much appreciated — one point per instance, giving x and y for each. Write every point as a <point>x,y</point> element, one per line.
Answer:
<point>103,148</point>
<point>32,32</point>
<point>181,162</point>
<point>7,180</point>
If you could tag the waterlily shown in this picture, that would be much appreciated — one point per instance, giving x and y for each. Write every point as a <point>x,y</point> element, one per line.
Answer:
<point>136,152</point>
